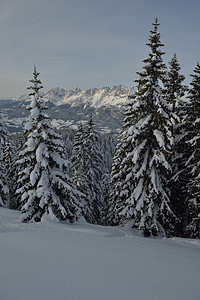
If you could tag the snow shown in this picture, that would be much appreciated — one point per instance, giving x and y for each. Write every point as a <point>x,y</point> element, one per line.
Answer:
<point>159,136</point>
<point>59,123</point>
<point>95,97</point>
<point>51,260</point>
<point>137,150</point>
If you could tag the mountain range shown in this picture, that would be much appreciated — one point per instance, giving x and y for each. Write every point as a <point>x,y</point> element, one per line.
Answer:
<point>68,108</point>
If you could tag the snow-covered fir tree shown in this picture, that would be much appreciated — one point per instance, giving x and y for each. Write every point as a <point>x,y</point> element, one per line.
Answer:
<point>78,166</point>
<point>87,165</point>
<point>123,147</point>
<point>107,200</point>
<point>10,154</point>
<point>174,93</point>
<point>118,176</point>
<point>174,88</point>
<point>93,172</point>
<point>193,162</point>
<point>107,147</point>
<point>68,136</point>
<point>141,169</point>
<point>4,187</point>
<point>77,158</point>
<point>108,143</point>
<point>44,184</point>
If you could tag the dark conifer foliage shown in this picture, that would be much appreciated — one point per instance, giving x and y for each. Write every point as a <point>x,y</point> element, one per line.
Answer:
<point>10,154</point>
<point>93,173</point>
<point>87,162</point>
<point>77,158</point>
<point>174,87</point>
<point>124,146</point>
<point>174,93</point>
<point>4,186</point>
<point>78,167</point>
<point>193,162</point>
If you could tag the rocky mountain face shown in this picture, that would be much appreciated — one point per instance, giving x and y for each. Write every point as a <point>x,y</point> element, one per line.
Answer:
<point>67,108</point>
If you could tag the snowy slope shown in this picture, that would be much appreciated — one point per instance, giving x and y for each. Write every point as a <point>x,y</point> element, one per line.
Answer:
<point>49,261</point>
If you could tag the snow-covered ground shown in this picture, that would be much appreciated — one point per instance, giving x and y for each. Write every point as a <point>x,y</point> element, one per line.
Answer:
<point>54,261</point>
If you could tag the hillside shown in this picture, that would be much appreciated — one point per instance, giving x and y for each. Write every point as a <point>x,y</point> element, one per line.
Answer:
<point>53,260</point>
<point>67,108</point>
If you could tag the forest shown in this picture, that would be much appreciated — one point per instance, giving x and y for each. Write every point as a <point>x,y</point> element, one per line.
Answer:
<point>148,179</point>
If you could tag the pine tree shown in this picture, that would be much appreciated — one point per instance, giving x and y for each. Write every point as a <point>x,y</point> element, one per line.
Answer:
<point>44,185</point>
<point>174,93</point>
<point>10,154</point>
<point>141,170</point>
<point>77,158</point>
<point>87,165</point>
<point>118,173</point>
<point>107,148</point>
<point>193,162</point>
<point>93,173</point>
<point>78,166</point>
<point>107,200</point>
<point>4,188</point>
<point>174,89</point>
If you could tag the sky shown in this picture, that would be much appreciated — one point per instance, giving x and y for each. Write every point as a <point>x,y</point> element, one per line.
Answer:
<point>91,43</point>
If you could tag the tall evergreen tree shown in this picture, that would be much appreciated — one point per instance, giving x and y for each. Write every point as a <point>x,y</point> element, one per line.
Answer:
<point>107,147</point>
<point>193,162</point>
<point>4,187</point>
<point>107,215</point>
<point>141,181</point>
<point>93,172</point>
<point>87,165</point>
<point>78,166</point>
<point>174,92</point>
<point>10,154</point>
<point>77,158</point>
<point>118,173</point>
<point>44,184</point>
<point>174,88</point>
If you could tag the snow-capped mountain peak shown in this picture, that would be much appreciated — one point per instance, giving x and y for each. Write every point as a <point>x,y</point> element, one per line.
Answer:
<point>67,108</point>
<point>94,97</point>
<point>54,95</point>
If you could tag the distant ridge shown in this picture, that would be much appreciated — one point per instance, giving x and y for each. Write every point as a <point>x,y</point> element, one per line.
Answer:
<point>95,97</point>
<point>67,108</point>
